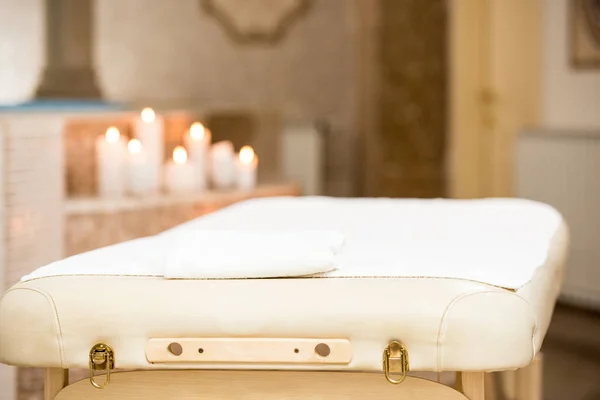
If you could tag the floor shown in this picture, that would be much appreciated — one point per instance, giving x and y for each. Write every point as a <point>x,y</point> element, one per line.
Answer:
<point>572,355</point>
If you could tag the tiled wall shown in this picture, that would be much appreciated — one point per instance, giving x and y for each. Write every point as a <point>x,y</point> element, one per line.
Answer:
<point>33,188</point>
<point>34,194</point>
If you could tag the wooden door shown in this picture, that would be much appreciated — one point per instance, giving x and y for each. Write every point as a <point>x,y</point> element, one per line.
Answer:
<point>495,88</point>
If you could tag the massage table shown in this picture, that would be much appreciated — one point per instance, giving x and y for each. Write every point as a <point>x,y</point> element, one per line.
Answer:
<point>467,286</point>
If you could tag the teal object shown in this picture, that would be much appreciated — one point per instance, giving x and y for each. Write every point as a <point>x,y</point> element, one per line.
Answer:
<point>60,105</point>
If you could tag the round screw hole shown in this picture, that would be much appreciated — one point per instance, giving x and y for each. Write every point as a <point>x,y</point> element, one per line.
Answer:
<point>296,351</point>
<point>175,349</point>
<point>201,350</point>
<point>322,350</point>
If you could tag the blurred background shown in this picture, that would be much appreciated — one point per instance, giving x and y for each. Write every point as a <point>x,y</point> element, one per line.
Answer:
<point>395,98</point>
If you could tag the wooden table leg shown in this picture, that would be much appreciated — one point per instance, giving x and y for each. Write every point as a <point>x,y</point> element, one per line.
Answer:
<point>473,385</point>
<point>491,386</point>
<point>458,382</point>
<point>528,382</point>
<point>55,379</point>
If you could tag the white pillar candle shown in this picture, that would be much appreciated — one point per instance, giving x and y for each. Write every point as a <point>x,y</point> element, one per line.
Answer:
<point>247,164</point>
<point>111,156</point>
<point>197,141</point>
<point>179,174</point>
<point>222,165</point>
<point>149,129</point>
<point>139,170</point>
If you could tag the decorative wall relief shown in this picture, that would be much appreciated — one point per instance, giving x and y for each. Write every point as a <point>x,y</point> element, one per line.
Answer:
<point>585,33</point>
<point>256,21</point>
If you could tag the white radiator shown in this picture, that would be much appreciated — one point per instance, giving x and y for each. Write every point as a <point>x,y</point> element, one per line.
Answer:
<point>562,168</point>
<point>302,155</point>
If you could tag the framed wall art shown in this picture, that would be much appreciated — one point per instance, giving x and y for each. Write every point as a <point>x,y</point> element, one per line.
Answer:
<point>585,33</point>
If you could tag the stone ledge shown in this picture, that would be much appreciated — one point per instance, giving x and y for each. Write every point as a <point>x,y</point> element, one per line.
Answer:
<point>96,205</point>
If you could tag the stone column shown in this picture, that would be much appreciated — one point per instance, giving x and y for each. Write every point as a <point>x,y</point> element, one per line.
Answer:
<point>405,129</point>
<point>69,70</point>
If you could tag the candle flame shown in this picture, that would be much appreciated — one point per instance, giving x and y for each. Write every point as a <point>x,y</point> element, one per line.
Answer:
<point>246,155</point>
<point>148,115</point>
<point>134,146</point>
<point>112,135</point>
<point>197,131</point>
<point>179,155</point>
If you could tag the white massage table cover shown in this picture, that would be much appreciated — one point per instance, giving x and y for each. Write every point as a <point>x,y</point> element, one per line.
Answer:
<point>499,242</point>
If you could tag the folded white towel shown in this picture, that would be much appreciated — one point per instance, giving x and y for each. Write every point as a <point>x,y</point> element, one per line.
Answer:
<point>215,254</point>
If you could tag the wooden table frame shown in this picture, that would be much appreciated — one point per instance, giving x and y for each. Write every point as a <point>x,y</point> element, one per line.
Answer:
<point>284,385</point>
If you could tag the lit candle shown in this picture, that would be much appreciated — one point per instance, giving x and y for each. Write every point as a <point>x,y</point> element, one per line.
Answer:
<point>179,174</point>
<point>197,140</point>
<point>149,129</point>
<point>222,165</point>
<point>247,163</point>
<point>110,163</point>
<point>139,169</point>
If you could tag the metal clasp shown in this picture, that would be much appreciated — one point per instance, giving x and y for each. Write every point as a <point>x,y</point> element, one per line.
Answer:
<point>102,357</point>
<point>395,361</point>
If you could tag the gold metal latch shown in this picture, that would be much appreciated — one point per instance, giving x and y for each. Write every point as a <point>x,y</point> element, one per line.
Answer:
<point>102,358</point>
<point>395,361</point>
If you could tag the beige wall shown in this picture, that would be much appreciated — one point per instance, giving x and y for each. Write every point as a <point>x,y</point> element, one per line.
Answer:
<point>21,48</point>
<point>175,51</point>
<point>571,98</point>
